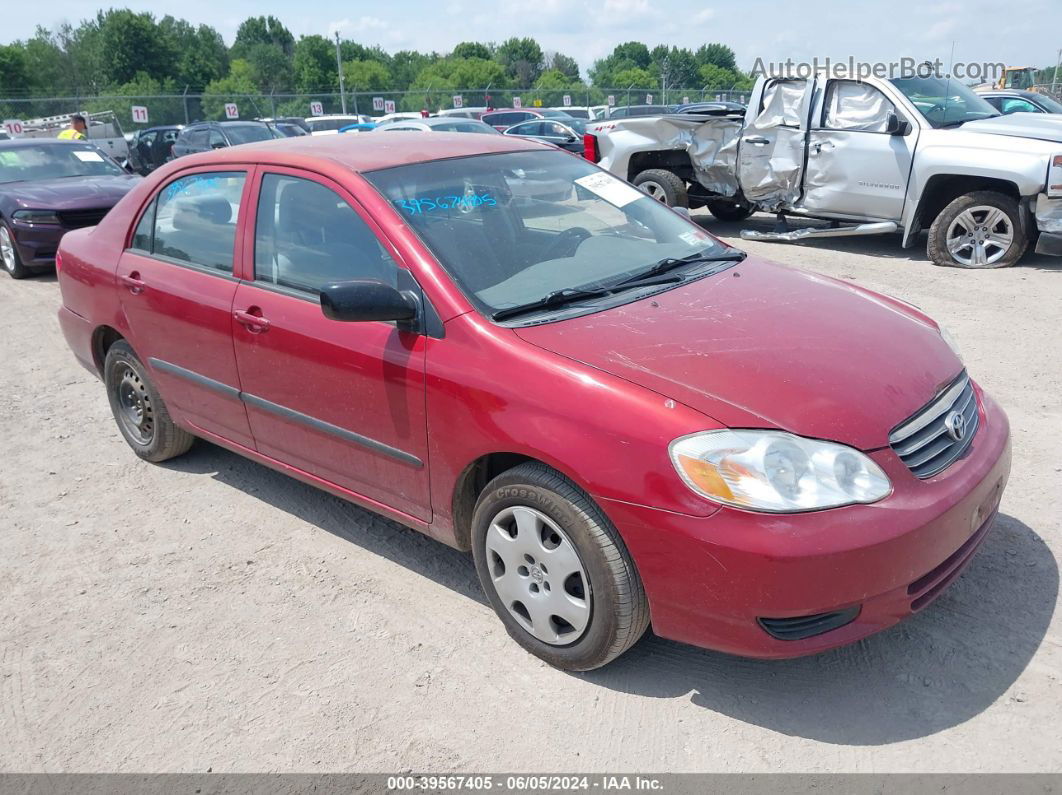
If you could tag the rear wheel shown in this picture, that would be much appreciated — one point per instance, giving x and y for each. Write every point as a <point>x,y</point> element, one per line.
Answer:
<point>665,186</point>
<point>555,570</point>
<point>12,261</point>
<point>730,211</point>
<point>138,408</point>
<point>978,230</point>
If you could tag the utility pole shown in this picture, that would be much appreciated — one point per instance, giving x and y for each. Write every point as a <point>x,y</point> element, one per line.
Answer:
<point>1054,82</point>
<point>339,68</point>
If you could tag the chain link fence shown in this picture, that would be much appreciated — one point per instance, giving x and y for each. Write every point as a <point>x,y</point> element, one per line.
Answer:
<point>163,109</point>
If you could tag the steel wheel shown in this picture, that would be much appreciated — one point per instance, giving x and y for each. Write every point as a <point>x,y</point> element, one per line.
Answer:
<point>980,236</point>
<point>7,250</point>
<point>538,575</point>
<point>135,410</point>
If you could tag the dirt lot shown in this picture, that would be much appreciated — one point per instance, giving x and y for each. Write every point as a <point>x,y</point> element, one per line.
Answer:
<point>210,613</point>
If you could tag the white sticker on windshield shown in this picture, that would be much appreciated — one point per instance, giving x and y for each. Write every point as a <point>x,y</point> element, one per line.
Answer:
<point>88,156</point>
<point>612,190</point>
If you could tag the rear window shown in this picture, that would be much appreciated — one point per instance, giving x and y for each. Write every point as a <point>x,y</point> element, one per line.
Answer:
<point>247,133</point>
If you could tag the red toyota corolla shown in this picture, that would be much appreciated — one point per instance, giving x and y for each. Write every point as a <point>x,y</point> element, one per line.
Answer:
<point>624,419</point>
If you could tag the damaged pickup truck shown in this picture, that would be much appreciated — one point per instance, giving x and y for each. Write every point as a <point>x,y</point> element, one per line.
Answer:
<point>871,156</point>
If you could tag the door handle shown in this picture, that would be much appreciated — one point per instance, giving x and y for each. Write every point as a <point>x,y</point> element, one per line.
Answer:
<point>816,148</point>
<point>758,140</point>
<point>256,324</point>
<point>133,283</point>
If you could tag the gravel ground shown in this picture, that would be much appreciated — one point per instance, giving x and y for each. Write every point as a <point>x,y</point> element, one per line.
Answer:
<point>212,614</point>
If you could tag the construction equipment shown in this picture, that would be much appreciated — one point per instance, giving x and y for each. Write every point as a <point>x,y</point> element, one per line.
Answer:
<point>103,130</point>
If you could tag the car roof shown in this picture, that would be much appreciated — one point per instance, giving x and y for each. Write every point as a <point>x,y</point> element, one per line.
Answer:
<point>432,121</point>
<point>1010,92</point>
<point>362,153</point>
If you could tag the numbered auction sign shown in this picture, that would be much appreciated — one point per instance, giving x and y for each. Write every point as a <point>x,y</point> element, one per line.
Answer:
<point>517,102</point>
<point>612,100</point>
<point>648,99</point>
<point>389,106</point>
<point>567,100</point>
<point>377,103</point>
<point>231,111</point>
<point>13,126</point>
<point>316,109</point>
<point>459,101</point>
<point>140,114</point>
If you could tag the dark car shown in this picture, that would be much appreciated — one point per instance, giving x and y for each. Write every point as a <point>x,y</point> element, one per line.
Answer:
<point>47,188</point>
<point>639,110</point>
<point>713,108</point>
<point>565,133</point>
<point>1014,101</point>
<point>152,147</point>
<point>505,118</point>
<point>206,135</point>
<point>288,130</point>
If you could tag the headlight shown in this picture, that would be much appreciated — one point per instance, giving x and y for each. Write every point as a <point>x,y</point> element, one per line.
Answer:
<point>776,472</point>
<point>36,216</point>
<point>1054,178</point>
<point>950,340</point>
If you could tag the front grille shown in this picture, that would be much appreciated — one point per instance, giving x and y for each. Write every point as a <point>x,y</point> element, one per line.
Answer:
<point>807,626</point>
<point>75,219</point>
<point>929,441</point>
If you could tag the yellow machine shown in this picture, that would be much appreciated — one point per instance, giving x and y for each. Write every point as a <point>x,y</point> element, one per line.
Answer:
<point>1022,78</point>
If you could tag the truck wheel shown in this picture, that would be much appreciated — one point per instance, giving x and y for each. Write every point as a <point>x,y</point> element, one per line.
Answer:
<point>978,230</point>
<point>730,211</point>
<point>555,570</point>
<point>664,186</point>
<point>138,408</point>
<point>12,262</point>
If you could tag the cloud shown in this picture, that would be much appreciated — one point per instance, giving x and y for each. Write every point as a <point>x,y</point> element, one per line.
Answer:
<point>703,15</point>
<point>630,7</point>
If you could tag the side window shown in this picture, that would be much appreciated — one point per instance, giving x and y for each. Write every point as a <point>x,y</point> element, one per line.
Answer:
<point>195,221</point>
<point>856,107</point>
<point>554,130</point>
<point>528,128</point>
<point>1015,105</point>
<point>781,103</point>
<point>306,236</point>
<point>142,235</point>
<point>216,140</point>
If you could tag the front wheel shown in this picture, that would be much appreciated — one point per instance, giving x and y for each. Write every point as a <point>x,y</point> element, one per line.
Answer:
<point>665,186</point>
<point>12,261</point>
<point>555,569</point>
<point>730,211</point>
<point>978,230</point>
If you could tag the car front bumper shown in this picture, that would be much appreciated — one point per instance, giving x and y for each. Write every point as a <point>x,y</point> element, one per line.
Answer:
<point>37,243</point>
<point>712,581</point>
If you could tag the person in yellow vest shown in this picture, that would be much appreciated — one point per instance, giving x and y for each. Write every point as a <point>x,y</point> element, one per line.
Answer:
<point>76,130</point>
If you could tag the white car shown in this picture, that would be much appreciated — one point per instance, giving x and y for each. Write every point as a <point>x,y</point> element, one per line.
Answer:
<point>464,113</point>
<point>389,118</point>
<point>330,125</point>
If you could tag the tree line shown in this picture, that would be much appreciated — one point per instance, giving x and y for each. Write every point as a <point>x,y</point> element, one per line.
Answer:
<point>124,53</point>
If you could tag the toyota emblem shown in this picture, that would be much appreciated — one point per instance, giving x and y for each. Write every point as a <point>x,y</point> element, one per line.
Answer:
<point>955,424</point>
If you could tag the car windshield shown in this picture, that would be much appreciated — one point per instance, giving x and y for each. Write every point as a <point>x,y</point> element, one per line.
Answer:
<point>514,227</point>
<point>54,161</point>
<point>943,102</point>
<point>247,133</point>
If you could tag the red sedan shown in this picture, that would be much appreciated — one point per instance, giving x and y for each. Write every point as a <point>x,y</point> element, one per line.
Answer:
<point>625,420</point>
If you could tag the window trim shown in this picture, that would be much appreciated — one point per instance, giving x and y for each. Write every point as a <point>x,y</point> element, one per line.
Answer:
<point>247,169</point>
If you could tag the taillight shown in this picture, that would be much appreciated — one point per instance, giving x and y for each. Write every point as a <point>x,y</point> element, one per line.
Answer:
<point>58,261</point>
<point>590,150</point>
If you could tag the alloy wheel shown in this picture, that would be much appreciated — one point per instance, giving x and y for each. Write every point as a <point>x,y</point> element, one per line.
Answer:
<point>980,236</point>
<point>7,249</point>
<point>537,573</point>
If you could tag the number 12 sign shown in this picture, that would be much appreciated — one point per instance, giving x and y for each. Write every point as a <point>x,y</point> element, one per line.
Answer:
<point>231,111</point>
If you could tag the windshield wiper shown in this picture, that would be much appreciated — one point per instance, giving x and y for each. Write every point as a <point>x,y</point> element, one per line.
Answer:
<point>556,298</point>
<point>672,263</point>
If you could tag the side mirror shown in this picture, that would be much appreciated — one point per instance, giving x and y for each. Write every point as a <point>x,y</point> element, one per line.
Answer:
<point>570,139</point>
<point>217,145</point>
<point>367,299</point>
<point>895,126</point>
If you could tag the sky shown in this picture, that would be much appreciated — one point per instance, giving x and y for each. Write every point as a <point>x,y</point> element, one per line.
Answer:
<point>1022,33</point>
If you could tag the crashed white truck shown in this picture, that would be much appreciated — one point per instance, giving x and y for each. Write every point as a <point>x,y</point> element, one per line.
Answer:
<point>870,156</point>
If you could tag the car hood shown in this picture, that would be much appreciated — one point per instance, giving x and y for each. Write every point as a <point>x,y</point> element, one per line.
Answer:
<point>70,193</point>
<point>1041,126</point>
<point>765,346</point>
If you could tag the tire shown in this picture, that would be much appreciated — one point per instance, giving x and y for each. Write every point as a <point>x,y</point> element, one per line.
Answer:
<point>131,394</point>
<point>982,229</point>
<point>730,211</point>
<point>664,186</point>
<point>12,262</point>
<point>556,520</point>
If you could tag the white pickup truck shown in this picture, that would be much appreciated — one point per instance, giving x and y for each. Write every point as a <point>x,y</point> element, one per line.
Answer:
<point>870,156</point>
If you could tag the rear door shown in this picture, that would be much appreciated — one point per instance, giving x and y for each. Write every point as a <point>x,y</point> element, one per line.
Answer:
<point>771,151</point>
<point>176,286</point>
<point>855,167</point>
<point>342,401</point>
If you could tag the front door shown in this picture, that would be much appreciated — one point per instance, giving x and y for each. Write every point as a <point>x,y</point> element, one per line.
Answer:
<point>176,284</point>
<point>771,150</point>
<point>856,169</point>
<point>342,401</point>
